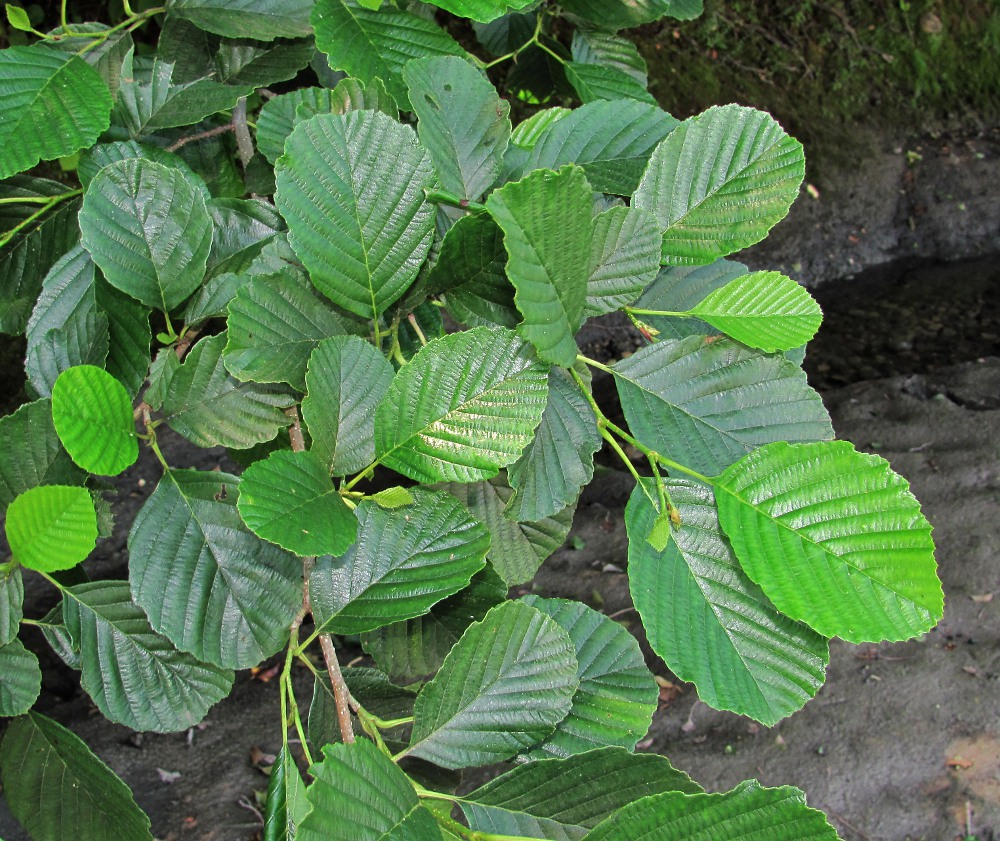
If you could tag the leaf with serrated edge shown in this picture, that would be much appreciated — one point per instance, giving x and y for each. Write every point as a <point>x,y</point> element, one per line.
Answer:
<point>709,622</point>
<point>834,538</point>
<point>482,11</point>
<point>20,679</point>
<point>503,688</point>
<point>263,20</point>
<point>592,46</point>
<point>51,527</point>
<point>129,336</point>
<point>624,259</point>
<point>12,604</point>
<point>404,562</point>
<point>593,83</point>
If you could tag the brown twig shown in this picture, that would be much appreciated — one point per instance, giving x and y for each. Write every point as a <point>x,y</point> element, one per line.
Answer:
<point>244,143</point>
<point>201,135</point>
<point>341,694</point>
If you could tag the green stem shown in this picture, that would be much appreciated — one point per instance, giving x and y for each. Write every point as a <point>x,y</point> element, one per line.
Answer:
<point>416,329</point>
<point>552,53</point>
<point>133,21</point>
<point>593,363</point>
<point>62,16</point>
<point>360,476</point>
<point>47,206</point>
<point>633,311</point>
<point>454,200</point>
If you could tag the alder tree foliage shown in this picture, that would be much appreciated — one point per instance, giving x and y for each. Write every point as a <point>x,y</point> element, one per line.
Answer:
<point>310,233</point>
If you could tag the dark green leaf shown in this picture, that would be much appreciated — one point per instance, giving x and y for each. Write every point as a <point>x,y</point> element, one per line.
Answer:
<point>592,83</point>
<point>242,229</point>
<point>264,20</point>
<point>11,604</point>
<point>94,159</point>
<point>130,336</point>
<point>20,679</point>
<point>286,799</point>
<point>241,61</point>
<point>594,46</point>
<point>371,689</point>
<point>608,14</point>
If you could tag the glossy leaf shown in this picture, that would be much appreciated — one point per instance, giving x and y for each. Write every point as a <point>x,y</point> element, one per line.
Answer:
<point>464,407</point>
<point>709,622</point>
<point>404,562</point>
<point>20,679</point>
<point>351,188</point>
<point>595,46</point>
<point>592,83</point>
<point>242,228</point>
<point>12,604</point>
<point>608,14</point>
<point>263,20</point>
<point>834,538</point>
<point>703,403</point>
<point>92,414</point>
<point>51,527</point>
<point>503,688</point>
<point>57,788</point>
<point>129,336</point>
<point>206,583</point>
<point>720,182</point>
<point>288,499</point>
<point>624,259</point>
<point>118,649</point>
<point>286,799</point>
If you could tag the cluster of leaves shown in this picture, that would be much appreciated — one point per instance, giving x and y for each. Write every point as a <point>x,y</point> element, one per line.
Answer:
<point>400,478</point>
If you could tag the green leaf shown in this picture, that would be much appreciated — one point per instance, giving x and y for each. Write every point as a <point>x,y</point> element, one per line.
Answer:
<point>50,106</point>
<point>264,20</point>
<point>565,798</point>
<point>351,188</point>
<point>764,310</point>
<point>617,696</point>
<point>720,182</point>
<point>232,595</point>
<point>709,622</point>
<point>94,159</point>
<point>546,220</point>
<point>834,538</point>
<point>608,14</point>
<point>756,813</point>
<point>483,11</point>
<point>611,141</point>
<point>503,688</point>
<point>463,123</point>
<point>130,336</point>
<point>286,799</point>
<point>593,83</point>
<point>418,646</point>
<point>464,407</point>
<point>118,650</point>
<point>506,33</point>
<point>12,604</point>
<point>20,679</point>
<point>58,789</point>
<point>18,18</point>
<point>241,230</point>
<point>594,46</point>
<point>517,549</point>
<point>358,793</point>
<point>703,403</point>
<point>210,408</point>
<point>51,527</point>
<point>557,464</point>
<point>92,414</point>
<point>39,458</point>
<point>347,378</point>
<point>528,132</point>
<point>624,259</point>
<point>370,44</point>
<point>288,499</point>
<point>404,562</point>
<point>148,229</point>
<point>275,323</point>
<point>105,56</point>
<point>241,61</point>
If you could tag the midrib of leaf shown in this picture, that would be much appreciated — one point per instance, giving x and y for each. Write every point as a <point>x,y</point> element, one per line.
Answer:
<point>548,276</point>
<point>50,81</point>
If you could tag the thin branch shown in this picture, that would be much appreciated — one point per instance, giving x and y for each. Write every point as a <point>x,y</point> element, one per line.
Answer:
<point>201,135</point>
<point>341,694</point>
<point>244,143</point>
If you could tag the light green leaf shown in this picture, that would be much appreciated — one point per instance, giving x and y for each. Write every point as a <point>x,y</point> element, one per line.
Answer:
<point>51,527</point>
<point>92,414</point>
<point>503,688</point>
<point>594,46</point>
<point>756,813</point>
<point>834,538</point>
<point>370,44</point>
<point>347,378</point>
<point>404,562</point>
<point>264,20</point>
<point>564,799</point>
<point>288,499</point>
<point>51,105</point>
<point>709,622</point>
<point>546,220</point>
<point>624,259</point>
<point>232,596</point>
<point>20,679</point>
<point>39,458</point>
<point>148,229</point>
<point>118,650</point>
<point>358,793</point>
<point>18,18</point>
<point>703,403</point>
<point>617,696</point>
<point>517,549</point>
<point>609,14</point>
<point>463,123</point>
<point>764,310</point>
<point>528,132</point>
<point>58,789</point>
<point>351,189</point>
<point>720,182</point>
<point>12,604</point>
<point>286,799</point>
<point>592,83</point>
<point>464,407</point>
<point>210,408</point>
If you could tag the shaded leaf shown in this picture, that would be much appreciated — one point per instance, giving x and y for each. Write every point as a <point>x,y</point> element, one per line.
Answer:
<point>260,19</point>
<point>11,604</point>
<point>594,46</point>
<point>286,799</point>
<point>611,15</point>
<point>20,679</point>
<point>592,83</point>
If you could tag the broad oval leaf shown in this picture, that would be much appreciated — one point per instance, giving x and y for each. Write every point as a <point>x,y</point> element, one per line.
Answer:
<point>405,560</point>
<point>92,413</point>
<point>12,603</point>
<point>206,583</point>
<point>834,538</point>
<point>624,259</point>
<point>263,20</point>
<point>129,336</point>
<point>462,408</point>
<point>720,182</point>
<point>149,231</point>
<point>51,105</point>
<point>118,650</point>
<point>592,83</point>
<point>502,689</point>
<point>52,527</point>
<point>351,188</point>
<point>709,622</point>
<point>42,763</point>
<point>594,46</point>
<point>704,403</point>
<point>288,499</point>
<point>20,679</point>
